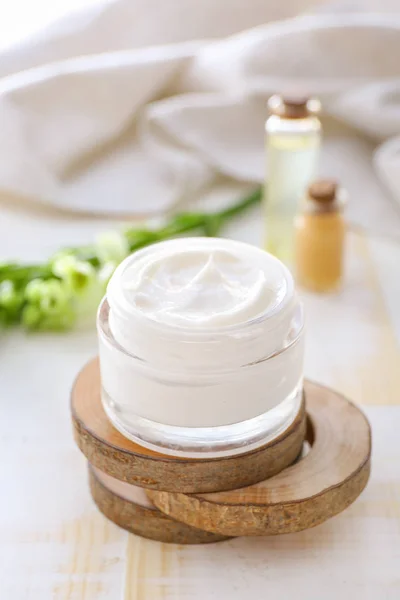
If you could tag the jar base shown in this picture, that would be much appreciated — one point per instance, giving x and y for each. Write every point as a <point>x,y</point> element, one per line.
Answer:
<point>205,442</point>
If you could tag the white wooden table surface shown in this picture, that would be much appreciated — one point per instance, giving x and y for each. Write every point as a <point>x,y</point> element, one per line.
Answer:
<point>55,545</point>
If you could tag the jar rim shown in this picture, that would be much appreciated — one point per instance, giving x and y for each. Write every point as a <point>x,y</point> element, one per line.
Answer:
<point>106,334</point>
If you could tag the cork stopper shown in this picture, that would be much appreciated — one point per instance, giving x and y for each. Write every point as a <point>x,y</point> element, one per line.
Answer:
<point>293,107</point>
<point>323,191</point>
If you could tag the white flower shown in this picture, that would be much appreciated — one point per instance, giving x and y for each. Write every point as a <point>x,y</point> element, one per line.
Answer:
<point>111,247</point>
<point>77,274</point>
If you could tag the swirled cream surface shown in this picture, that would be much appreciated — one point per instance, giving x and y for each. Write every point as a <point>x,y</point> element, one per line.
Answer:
<point>201,333</point>
<point>203,284</point>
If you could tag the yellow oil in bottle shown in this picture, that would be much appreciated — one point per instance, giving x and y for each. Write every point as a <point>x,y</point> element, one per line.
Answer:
<point>291,166</point>
<point>320,236</point>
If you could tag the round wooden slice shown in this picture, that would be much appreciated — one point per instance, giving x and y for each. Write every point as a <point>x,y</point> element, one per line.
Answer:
<point>121,458</point>
<point>128,507</point>
<point>329,478</point>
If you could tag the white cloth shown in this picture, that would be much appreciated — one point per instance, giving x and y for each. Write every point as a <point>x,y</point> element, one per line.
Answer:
<point>94,117</point>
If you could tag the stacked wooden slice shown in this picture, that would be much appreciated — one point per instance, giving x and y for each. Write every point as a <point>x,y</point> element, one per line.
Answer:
<point>311,472</point>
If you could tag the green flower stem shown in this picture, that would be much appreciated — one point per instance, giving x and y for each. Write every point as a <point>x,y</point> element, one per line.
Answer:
<point>51,296</point>
<point>208,224</point>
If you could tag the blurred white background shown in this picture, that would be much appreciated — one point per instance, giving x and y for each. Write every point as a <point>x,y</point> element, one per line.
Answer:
<point>139,106</point>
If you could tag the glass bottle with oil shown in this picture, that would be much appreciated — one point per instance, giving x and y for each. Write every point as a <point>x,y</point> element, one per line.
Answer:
<point>320,237</point>
<point>293,133</point>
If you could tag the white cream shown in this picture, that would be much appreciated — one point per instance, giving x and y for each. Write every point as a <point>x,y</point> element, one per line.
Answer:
<point>207,333</point>
<point>202,286</point>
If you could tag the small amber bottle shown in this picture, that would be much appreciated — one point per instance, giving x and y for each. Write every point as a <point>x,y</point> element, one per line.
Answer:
<point>319,238</point>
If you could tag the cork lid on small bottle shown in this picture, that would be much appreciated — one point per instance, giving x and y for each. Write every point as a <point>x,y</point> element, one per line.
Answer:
<point>323,190</point>
<point>293,107</point>
<point>325,195</point>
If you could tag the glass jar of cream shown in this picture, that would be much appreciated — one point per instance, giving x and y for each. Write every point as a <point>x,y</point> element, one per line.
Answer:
<point>201,347</point>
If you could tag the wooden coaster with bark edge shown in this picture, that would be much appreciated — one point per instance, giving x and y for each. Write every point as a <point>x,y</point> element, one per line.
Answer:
<point>128,507</point>
<point>327,480</point>
<point>112,453</point>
